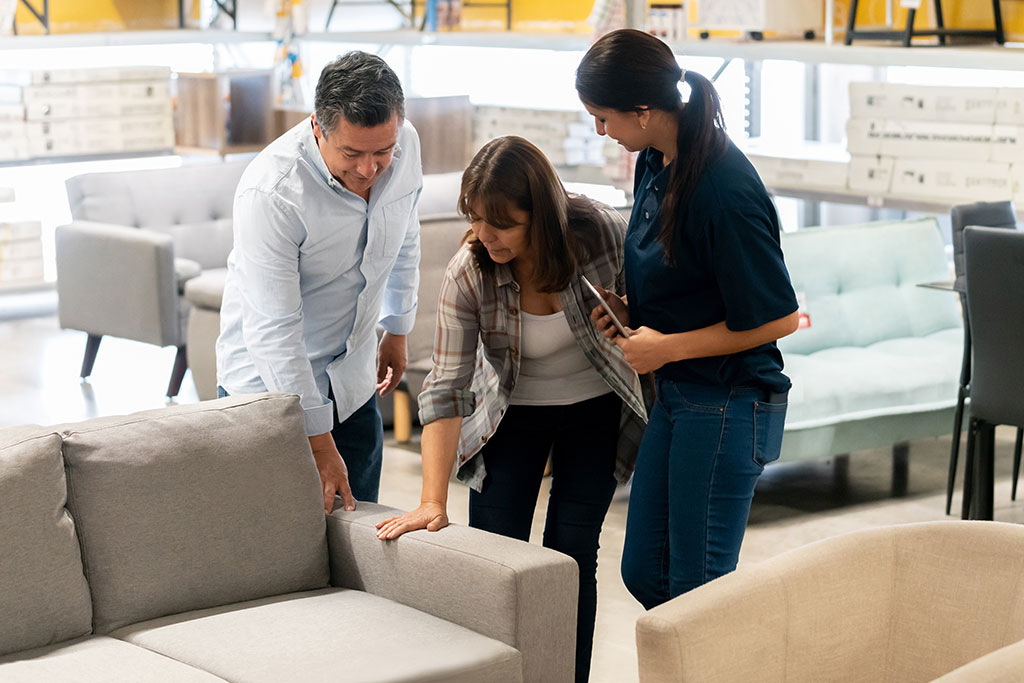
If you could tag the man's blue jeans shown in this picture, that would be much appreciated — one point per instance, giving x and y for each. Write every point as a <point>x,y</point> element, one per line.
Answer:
<point>360,440</point>
<point>700,458</point>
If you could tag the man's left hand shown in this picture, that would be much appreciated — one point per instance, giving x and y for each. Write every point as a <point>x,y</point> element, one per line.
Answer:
<point>391,360</point>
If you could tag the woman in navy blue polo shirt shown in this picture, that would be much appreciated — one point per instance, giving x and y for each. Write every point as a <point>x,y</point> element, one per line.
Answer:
<point>708,295</point>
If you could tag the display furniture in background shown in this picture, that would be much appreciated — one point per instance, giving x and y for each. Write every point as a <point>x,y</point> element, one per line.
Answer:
<point>941,31</point>
<point>994,260</point>
<point>877,364</point>
<point>229,112</point>
<point>992,215</point>
<point>125,559</point>
<point>134,241</point>
<point>918,602</point>
<point>758,17</point>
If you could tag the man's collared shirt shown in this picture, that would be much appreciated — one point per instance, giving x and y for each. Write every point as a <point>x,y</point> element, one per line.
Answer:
<point>314,268</point>
<point>479,333</point>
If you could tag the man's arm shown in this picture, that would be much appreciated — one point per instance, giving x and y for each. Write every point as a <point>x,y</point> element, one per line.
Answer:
<point>398,312</point>
<point>266,265</point>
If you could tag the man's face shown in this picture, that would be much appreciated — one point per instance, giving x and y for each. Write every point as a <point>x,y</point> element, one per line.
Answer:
<point>357,155</point>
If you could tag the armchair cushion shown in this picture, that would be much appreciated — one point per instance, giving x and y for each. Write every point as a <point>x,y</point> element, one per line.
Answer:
<point>43,594</point>
<point>160,535</point>
<point>327,635</point>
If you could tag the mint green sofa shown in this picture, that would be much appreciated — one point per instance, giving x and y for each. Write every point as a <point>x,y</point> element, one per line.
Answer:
<point>880,362</point>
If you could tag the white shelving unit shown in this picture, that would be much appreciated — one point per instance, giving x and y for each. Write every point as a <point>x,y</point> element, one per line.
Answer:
<point>119,38</point>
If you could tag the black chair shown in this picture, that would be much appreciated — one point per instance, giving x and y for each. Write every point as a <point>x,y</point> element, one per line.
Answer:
<point>990,215</point>
<point>995,280</point>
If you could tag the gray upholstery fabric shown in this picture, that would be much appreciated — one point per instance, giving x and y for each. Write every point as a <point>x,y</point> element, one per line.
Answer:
<point>985,214</point>
<point>98,660</point>
<point>207,290</point>
<point>195,506</point>
<point>43,594</point>
<point>329,635</point>
<point>185,269</point>
<point>208,243</point>
<point>117,281</point>
<point>521,594</point>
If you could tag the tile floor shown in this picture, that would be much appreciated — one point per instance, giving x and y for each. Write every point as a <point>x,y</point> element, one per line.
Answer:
<point>796,503</point>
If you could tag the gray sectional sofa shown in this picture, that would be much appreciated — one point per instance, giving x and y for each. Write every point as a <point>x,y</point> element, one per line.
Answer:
<point>190,544</point>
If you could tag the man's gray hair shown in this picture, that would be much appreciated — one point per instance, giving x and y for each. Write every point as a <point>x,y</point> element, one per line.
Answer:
<point>360,87</point>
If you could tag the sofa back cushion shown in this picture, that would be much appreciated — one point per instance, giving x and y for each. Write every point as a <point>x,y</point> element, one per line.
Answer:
<point>44,597</point>
<point>193,204</point>
<point>860,283</point>
<point>195,506</point>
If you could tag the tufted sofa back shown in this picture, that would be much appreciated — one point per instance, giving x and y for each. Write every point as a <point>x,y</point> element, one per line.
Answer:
<point>860,283</point>
<point>192,204</point>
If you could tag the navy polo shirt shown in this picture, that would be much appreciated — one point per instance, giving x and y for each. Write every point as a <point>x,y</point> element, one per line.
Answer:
<point>728,266</point>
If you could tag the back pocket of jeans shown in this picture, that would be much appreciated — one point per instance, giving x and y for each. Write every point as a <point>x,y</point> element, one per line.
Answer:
<point>769,422</point>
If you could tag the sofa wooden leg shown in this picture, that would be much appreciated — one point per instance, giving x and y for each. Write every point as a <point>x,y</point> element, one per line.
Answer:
<point>403,416</point>
<point>178,373</point>
<point>92,345</point>
<point>900,469</point>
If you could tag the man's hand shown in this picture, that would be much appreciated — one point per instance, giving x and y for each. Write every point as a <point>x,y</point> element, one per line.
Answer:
<point>391,360</point>
<point>602,321</point>
<point>430,515</point>
<point>333,472</point>
<point>645,350</point>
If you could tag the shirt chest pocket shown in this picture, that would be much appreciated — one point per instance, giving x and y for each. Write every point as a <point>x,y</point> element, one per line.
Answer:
<point>397,217</point>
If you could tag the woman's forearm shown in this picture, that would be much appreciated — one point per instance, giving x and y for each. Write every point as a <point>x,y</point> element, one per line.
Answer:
<point>439,444</point>
<point>719,340</point>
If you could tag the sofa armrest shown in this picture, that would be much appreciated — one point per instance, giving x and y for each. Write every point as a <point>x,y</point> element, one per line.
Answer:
<point>521,594</point>
<point>1000,666</point>
<point>119,281</point>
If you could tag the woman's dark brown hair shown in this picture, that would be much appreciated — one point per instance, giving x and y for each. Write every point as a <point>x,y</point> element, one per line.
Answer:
<point>511,172</point>
<point>629,70</point>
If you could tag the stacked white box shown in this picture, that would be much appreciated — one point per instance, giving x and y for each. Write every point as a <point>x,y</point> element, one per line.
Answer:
<point>567,138</point>
<point>21,252</point>
<point>950,144</point>
<point>69,112</point>
<point>808,164</point>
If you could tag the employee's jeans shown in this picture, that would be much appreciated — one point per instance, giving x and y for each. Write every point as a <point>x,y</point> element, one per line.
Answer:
<point>700,458</point>
<point>581,439</point>
<point>360,440</point>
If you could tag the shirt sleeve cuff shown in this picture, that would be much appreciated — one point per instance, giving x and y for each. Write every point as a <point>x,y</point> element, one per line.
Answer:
<point>439,404</point>
<point>319,419</point>
<point>399,324</point>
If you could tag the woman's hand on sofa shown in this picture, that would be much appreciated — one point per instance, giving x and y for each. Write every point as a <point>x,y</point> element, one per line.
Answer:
<point>430,515</point>
<point>333,472</point>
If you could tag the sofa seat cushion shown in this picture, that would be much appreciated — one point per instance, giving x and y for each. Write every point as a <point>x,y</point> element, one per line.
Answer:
<point>99,659</point>
<point>207,290</point>
<point>185,269</point>
<point>44,597</point>
<point>902,375</point>
<point>333,634</point>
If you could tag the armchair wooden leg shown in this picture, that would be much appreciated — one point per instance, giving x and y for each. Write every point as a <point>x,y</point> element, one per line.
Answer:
<point>1016,461</point>
<point>92,345</point>
<point>178,373</point>
<point>900,469</point>
<point>403,416</point>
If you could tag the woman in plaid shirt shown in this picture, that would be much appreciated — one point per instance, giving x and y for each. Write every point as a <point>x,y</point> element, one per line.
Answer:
<point>521,373</point>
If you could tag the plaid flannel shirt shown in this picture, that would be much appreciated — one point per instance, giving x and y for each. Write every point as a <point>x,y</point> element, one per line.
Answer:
<point>476,349</point>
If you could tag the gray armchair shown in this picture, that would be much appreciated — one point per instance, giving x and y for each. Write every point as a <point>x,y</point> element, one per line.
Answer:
<point>135,239</point>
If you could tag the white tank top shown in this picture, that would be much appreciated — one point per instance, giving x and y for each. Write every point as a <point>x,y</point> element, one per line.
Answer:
<point>553,369</point>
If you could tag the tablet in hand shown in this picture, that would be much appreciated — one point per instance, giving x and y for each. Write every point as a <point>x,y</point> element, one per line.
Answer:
<point>604,304</point>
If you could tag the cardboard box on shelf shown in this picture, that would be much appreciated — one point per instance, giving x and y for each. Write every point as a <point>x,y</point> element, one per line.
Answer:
<point>1007,143</point>
<point>967,181</point>
<point>1017,183</point>
<point>12,113</point>
<point>24,77</point>
<point>21,271</point>
<point>937,140</point>
<point>864,136</point>
<point>922,102</point>
<point>20,250</point>
<point>869,99</point>
<point>1010,106</point>
<point>807,164</point>
<point>871,175</point>
<point>20,230</point>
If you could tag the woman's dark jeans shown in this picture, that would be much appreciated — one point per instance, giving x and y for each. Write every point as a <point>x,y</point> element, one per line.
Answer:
<point>581,439</point>
<point>700,458</point>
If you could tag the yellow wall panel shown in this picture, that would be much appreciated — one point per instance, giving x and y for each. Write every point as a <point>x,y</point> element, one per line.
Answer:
<point>83,16</point>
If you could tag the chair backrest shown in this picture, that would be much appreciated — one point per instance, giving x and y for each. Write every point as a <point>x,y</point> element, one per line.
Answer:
<point>995,280</point>
<point>985,214</point>
<point>192,204</point>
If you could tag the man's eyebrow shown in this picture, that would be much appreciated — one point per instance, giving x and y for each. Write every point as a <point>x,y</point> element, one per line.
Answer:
<point>353,150</point>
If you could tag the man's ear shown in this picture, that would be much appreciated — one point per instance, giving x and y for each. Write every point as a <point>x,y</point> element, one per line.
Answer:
<point>316,126</point>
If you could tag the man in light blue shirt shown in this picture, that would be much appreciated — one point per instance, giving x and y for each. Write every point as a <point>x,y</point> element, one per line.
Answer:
<point>326,246</point>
